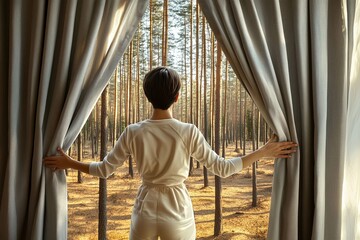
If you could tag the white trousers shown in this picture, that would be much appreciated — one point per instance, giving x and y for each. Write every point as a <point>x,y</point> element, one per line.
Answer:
<point>163,212</point>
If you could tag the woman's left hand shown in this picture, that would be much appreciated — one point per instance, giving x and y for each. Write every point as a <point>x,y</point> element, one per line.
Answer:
<point>62,161</point>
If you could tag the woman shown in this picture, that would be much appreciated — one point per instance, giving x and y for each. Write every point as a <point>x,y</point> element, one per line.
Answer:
<point>162,147</point>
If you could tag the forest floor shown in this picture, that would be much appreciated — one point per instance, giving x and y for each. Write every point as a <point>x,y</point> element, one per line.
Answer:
<point>240,219</point>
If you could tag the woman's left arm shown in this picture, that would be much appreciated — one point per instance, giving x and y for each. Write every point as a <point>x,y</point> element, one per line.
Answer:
<point>64,161</point>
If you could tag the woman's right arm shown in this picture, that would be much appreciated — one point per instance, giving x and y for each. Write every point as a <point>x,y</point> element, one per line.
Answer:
<point>272,149</point>
<point>202,152</point>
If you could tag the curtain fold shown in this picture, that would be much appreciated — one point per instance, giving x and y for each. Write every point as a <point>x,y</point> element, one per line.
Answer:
<point>350,228</point>
<point>299,62</point>
<point>56,58</point>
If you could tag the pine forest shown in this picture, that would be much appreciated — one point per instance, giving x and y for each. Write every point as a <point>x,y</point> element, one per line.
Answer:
<point>175,34</point>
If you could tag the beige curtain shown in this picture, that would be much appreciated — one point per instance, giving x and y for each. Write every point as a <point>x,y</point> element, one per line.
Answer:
<point>56,57</point>
<point>299,60</point>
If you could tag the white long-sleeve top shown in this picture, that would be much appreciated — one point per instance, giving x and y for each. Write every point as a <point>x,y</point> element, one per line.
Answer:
<point>162,149</point>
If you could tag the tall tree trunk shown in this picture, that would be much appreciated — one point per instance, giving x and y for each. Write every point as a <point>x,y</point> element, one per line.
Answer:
<point>259,118</point>
<point>191,64</point>
<point>244,125</point>
<point>224,112</point>
<point>239,126</point>
<point>138,74</point>
<point>92,132</point>
<point>212,89</point>
<point>86,131</point>
<point>130,112</point>
<point>185,72</point>
<point>218,187</point>
<point>254,179</point>
<point>205,172</point>
<point>150,35</point>
<point>121,88</point>
<point>197,64</point>
<point>236,118</point>
<point>97,127</point>
<point>191,81</point>
<point>79,155</point>
<point>197,109</point>
<point>115,106</point>
<point>102,182</point>
<point>165,34</point>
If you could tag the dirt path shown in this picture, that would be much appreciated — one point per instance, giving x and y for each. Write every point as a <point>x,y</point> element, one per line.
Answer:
<point>240,219</point>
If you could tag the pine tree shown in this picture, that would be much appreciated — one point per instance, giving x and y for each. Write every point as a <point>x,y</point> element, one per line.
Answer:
<point>205,173</point>
<point>102,182</point>
<point>218,187</point>
<point>79,154</point>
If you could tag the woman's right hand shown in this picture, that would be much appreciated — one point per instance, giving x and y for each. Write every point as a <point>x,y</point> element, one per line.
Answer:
<point>275,149</point>
<point>272,149</point>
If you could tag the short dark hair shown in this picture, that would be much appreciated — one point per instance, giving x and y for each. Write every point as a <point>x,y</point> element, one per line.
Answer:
<point>161,85</point>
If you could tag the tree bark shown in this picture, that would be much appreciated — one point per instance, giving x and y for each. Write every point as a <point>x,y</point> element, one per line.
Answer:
<point>150,36</point>
<point>115,107</point>
<point>218,187</point>
<point>197,64</point>
<point>102,182</point>
<point>197,109</point>
<point>205,172</point>
<point>185,71</point>
<point>236,118</point>
<point>138,75</point>
<point>224,113</point>
<point>165,34</point>
<point>244,125</point>
<point>191,81</point>
<point>79,150</point>
<point>92,134</point>
<point>212,94</point>
<point>254,179</point>
<point>129,102</point>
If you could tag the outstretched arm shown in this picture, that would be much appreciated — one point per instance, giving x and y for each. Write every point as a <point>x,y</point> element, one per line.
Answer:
<point>64,161</point>
<point>202,152</point>
<point>272,149</point>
